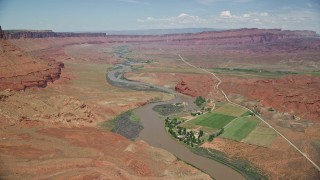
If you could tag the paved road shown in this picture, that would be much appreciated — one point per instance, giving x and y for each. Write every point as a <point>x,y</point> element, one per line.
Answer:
<point>226,97</point>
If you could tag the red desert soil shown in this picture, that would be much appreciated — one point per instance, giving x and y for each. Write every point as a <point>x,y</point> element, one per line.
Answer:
<point>51,133</point>
<point>19,70</point>
<point>280,161</point>
<point>46,133</point>
<point>66,153</point>
<point>189,84</point>
<point>296,94</point>
<point>203,85</point>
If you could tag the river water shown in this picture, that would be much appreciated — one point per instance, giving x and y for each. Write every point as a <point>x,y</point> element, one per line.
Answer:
<point>154,132</point>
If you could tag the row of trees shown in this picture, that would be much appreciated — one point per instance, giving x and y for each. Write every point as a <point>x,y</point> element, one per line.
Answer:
<point>171,123</point>
<point>181,133</point>
<point>211,136</point>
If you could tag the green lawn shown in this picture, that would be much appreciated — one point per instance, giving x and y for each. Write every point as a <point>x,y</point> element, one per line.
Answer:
<point>262,135</point>
<point>231,110</point>
<point>240,128</point>
<point>213,120</point>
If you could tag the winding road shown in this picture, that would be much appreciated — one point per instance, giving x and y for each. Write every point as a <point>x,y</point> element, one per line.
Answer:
<point>154,132</point>
<point>226,97</point>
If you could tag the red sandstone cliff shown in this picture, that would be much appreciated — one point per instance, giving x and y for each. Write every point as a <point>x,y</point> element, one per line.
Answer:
<point>19,70</point>
<point>239,36</point>
<point>233,37</point>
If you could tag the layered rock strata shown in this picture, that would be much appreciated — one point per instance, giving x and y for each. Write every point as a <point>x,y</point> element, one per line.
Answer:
<point>19,70</point>
<point>239,36</point>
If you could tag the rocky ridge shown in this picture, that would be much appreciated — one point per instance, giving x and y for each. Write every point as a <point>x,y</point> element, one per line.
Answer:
<point>58,110</point>
<point>200,87</point>
<point>234,37</point>
<point>293,94</point>
<point>31,34</point>
<point>19,70</point>
<point>243,36</point>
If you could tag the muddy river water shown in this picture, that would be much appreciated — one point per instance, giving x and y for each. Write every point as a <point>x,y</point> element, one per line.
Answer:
<point>154,132</point>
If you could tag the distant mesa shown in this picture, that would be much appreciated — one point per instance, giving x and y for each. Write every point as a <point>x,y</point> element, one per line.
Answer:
<point>233,37</point>
<point>30,34</point>
<point>206,37</point>
<point>19,70</point>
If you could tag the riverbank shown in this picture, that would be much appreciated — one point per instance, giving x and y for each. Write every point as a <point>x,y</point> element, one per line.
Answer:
<point>153,131</point>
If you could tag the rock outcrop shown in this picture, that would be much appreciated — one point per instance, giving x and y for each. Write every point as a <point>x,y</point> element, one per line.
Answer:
<point>195,86</point>
<point>296,94</point>
<point>60,110</point>
<point>19,70</point>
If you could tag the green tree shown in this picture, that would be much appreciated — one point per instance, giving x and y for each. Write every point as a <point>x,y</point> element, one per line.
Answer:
<point>200,101</point>
<point>184,131</point>
<point>200,133</point>
<point>210,137</point>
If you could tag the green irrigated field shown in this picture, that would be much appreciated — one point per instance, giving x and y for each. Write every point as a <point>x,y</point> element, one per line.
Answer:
<point>213,120</point>
<point>262,135</point>
<point>230,110</point>
<point>246,113</point>
<point>240,128</point>
<point>251,72</point>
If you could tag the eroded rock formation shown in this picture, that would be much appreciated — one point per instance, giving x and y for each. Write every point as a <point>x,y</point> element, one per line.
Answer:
<point>295,94</point>
<point>19,70</point>
<point>195,86</point>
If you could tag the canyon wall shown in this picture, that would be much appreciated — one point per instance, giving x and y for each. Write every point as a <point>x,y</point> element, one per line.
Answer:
<point>19,70</point>
<point>239,36</point>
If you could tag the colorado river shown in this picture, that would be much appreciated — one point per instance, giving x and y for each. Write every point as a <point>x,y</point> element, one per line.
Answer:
<point>154,132</point>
